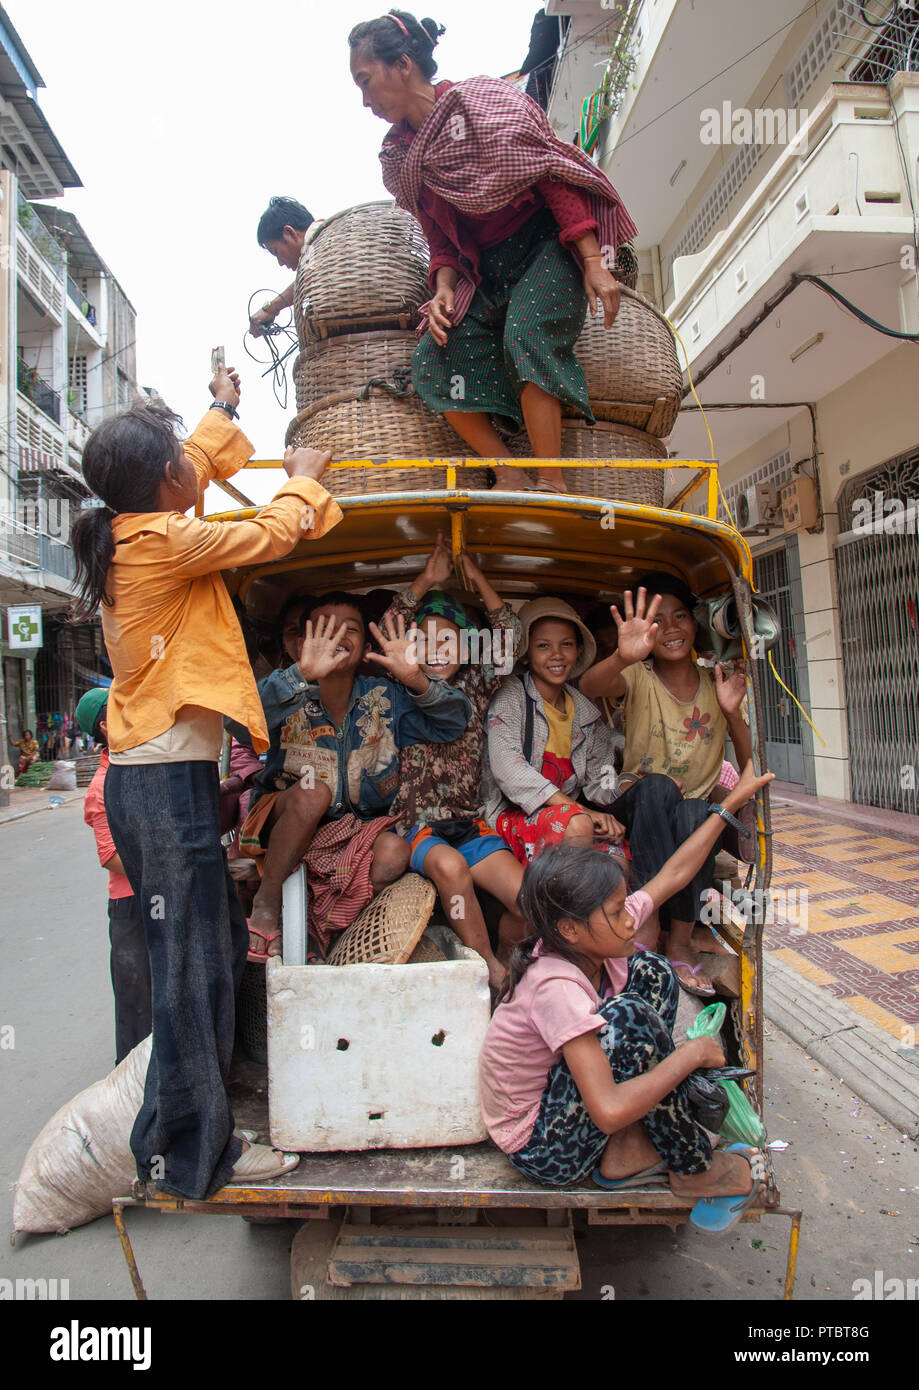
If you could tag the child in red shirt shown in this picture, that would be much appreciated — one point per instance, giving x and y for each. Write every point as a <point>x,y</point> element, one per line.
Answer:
<point>130,962</point>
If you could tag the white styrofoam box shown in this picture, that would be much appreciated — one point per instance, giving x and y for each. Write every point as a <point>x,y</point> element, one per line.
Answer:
<point>376,1056</point>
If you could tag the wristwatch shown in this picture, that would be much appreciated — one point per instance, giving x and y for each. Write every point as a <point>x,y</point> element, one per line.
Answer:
<point>731,819</point>
<point>225,405</point>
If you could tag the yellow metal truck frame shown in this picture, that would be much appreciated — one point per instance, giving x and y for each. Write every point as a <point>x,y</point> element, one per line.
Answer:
<point>528,543</point>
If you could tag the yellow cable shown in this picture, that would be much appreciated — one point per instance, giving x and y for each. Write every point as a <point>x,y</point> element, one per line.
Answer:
<point>711,442</point>
<point>796,700</point>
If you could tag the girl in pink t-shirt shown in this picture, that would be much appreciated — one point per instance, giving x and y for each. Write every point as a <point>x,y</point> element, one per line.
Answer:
<point>579,1073</point>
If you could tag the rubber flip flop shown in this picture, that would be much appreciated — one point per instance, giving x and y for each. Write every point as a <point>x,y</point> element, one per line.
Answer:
<point>695,990</point>
<point>642,1179</point>
<point>262,957</point>
<point>715,1215</point>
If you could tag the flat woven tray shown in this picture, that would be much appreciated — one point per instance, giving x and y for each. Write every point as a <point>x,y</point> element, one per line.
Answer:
<point>390,927</point>
<point>632,369</point>
<point>426,952</point>
<point>367,262</point>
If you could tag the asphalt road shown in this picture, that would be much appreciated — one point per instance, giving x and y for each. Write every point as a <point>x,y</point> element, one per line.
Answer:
<point>856,1179</point>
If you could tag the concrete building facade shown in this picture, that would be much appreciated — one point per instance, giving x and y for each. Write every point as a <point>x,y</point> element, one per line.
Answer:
<point>67,359</point>
<point>770,158</point>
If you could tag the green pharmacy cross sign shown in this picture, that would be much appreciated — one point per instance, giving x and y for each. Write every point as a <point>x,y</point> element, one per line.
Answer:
<point>24,628</point>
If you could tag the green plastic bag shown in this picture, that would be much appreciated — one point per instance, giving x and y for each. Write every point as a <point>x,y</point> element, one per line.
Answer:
<point>708,1022</point>
<point>741,1125</point>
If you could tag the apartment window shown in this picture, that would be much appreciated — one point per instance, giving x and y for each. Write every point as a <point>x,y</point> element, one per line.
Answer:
<point>76,381</point>
<point>122,390</point>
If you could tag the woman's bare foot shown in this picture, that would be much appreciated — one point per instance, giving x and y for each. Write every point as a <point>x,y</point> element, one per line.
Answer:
<point>704,939</point>
<point>509,479</point>
<point>628,1152</point>
<point>551,480</point>
<point>728,1176</point>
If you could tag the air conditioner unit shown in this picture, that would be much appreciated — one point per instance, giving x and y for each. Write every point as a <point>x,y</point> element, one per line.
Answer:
<point>758,508</point>
<point>799,503</point>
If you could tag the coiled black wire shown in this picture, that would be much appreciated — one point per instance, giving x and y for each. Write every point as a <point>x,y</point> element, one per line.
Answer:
<point>274,334</point>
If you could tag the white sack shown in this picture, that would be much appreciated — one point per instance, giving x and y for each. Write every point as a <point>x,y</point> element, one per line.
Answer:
<point>82,1159</point>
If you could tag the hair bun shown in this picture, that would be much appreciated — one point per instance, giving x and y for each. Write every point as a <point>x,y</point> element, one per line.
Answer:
<point>433,30</point>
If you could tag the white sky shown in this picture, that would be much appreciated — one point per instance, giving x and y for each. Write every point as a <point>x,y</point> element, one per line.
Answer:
<point>183,118</point>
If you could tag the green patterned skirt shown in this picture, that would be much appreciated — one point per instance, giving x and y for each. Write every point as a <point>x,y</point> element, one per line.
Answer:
<point>521,327</point>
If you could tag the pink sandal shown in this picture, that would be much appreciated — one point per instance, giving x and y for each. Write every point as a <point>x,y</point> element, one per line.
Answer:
<point>262,957</point>
<point>691,989</point>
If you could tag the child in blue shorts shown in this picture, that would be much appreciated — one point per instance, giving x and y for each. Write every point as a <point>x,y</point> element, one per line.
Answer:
<point>438,805</point>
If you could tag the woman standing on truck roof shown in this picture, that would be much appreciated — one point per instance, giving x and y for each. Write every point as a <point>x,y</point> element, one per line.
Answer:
<point>522,228</point>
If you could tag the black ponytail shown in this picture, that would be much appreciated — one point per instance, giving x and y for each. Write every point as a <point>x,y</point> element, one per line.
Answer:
<point>124,462</point>
<point>399,32</point>
<point>564,881</point>
<point>94,549</point>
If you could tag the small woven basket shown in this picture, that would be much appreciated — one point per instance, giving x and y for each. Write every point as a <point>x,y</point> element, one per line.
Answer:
<point>609,441</point>
<point>632,370</point>
<point>390,927</point>
<point>350,363</point>
<point>383,426</point>
<point>366,266</point>
<point>426,952</point>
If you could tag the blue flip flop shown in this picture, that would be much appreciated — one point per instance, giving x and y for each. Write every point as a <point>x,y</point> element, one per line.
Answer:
<point>646,1176</point>
<point>715,1215</point>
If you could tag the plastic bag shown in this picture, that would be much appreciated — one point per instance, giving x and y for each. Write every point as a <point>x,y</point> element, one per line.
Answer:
<point>707,1101</point>
<point>63,778</point>
<point>82,1158</point>
<point>741,1125</point>
<point>708,1022</point>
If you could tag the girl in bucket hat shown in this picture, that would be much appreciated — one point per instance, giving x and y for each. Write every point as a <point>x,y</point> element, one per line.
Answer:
<point>550,752</point>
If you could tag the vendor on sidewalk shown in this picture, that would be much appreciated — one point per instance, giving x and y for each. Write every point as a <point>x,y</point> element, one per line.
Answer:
<point>522,228</point>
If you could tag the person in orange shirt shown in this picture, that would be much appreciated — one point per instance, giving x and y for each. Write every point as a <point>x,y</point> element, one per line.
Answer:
<point>179,664</point>
<point>130,964</point>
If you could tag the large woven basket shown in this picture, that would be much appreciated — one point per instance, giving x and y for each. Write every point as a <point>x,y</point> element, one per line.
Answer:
<point>383,426</point>
<point>632,370</point>
<point>609,441</point>
<point>351,362</point>
<point>365,266</point>
<point>390,927</point>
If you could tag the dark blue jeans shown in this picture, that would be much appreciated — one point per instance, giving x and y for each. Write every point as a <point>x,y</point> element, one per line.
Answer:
<point>657,821</point>
<point>165,821</point>
<point>130,968</point>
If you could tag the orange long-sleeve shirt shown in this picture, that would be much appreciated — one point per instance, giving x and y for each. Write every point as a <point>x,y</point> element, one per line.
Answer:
<point>172,635</point>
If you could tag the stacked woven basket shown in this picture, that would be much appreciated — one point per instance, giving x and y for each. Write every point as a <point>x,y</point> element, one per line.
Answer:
<point>362,278</point>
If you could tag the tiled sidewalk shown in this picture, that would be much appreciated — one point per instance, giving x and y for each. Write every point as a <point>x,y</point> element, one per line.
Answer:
<point>857,933</point>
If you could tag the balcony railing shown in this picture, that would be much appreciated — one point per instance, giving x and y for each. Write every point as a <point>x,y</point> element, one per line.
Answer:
<point>79,298</point>
<point>38,391</point>
<point>34,227</point>
<point>35,530</point>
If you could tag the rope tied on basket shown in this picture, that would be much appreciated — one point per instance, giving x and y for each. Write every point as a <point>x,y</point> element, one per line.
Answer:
<point>400,386</point>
